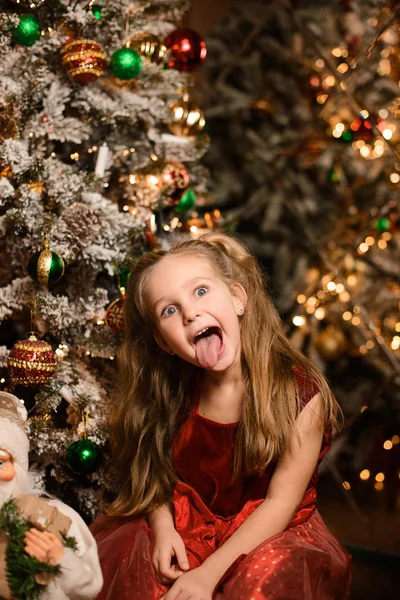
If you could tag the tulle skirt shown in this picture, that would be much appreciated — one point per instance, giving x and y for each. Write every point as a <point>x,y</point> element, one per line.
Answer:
<point>304,562</point>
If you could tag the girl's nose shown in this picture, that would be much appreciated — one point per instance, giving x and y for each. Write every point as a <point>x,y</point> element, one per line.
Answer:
<point>189,315</point>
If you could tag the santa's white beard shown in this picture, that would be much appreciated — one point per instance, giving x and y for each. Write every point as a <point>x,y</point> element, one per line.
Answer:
<point>19,485</point>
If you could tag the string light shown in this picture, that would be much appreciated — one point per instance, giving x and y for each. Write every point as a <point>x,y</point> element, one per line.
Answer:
<point>365,475</point>
<point>388,445</point>
<point>379,477</point>
<point>352,280</point>
<point>299,321</point>
<point>387,134</point>
<point>395,343</point>
<point>346,485</point>
<point>345,296</point>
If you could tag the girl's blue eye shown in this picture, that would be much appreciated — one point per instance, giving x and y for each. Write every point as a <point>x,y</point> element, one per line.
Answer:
<point>169,311</point>
<point>200,291</point>
<point>1,463</point>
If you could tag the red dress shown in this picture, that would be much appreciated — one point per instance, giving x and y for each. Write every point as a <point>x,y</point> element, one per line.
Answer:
<point>304,562</point>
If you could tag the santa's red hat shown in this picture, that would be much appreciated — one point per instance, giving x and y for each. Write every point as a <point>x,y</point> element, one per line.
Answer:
<point>13,437</point>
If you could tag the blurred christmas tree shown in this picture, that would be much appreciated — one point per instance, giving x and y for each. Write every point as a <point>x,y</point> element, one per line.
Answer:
<point>302,106</point>
<point>99,147</point>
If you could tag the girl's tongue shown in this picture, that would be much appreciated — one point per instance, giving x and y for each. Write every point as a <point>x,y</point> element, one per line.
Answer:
<point>207,350</point>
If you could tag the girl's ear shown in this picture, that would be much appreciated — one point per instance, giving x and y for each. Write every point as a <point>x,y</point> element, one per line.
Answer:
<point>162,343</point>
<point>239,297</point>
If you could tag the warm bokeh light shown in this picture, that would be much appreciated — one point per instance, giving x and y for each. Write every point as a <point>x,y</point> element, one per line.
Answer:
<point>298,320</point>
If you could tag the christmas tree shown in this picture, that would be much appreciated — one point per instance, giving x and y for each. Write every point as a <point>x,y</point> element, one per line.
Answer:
<point>100,144</point>
<point>302,106</point>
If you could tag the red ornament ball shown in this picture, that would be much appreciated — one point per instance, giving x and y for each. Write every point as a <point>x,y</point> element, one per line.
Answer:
<point>31,362</point>
<point>174,180</point>
<point>362,129</point>
<point>187,49</point>
<point>84,60</point>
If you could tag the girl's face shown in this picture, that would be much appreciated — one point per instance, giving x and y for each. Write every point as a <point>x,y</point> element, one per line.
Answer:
<point>195,312</point>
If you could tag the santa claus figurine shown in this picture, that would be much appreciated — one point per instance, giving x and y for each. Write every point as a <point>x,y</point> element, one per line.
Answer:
<point>77,572</point>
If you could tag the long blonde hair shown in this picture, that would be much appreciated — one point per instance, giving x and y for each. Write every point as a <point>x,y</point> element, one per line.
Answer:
<point>155,389</point>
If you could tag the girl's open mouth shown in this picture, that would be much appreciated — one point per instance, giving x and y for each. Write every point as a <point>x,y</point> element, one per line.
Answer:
<point>209,346</point>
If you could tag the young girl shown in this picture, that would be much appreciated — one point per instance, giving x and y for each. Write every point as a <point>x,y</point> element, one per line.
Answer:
<point>217,433</point>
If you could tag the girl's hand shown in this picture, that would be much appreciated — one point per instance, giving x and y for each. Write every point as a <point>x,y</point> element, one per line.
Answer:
<point>43,546</point>
<point>194,585</point>
<point>168,544</point>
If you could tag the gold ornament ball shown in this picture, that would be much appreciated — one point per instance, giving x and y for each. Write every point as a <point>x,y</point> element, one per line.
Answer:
<point>148,46</point>
<point>115,315</point>
<point>158,178</point>
<point>331,344</point>
<point>31,362</point>
<point>84,60</point>
<point>46,267</point>
<point>187,118</point>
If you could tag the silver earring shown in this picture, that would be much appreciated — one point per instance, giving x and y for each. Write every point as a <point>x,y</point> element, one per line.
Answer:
<point>241,310</point>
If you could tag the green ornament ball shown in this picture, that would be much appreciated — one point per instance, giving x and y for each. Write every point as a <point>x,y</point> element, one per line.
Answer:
<point>27,31</point>
<point>347,136</point>
<point>383,224</point>
<point>187,201</point>
<point>46,267</point>
<point>96,11</point>
<point>121,279</point>
<point>126,63</point>
<point>83,457</point>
